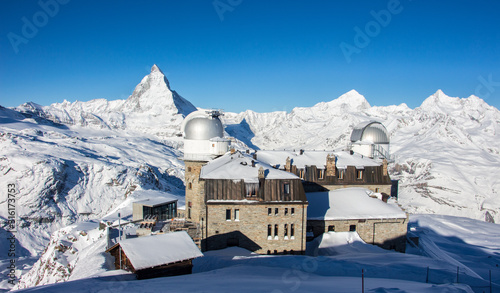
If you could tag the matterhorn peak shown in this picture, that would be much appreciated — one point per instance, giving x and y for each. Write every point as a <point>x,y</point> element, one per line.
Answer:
<point>154,95</point>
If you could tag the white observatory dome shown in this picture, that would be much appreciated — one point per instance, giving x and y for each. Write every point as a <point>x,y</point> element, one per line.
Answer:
<point>204,136</point>
<point>371,131</point>
<point>201,125</point>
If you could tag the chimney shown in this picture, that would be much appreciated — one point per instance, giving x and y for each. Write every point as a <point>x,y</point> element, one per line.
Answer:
<point>248,151</point>
<point>384,167</point>
<point>288,165</point>
<point>255,155</point>
<point>262,173</point>
<point>233,151</point>
<point>330,165</point>
<point>253,163</point>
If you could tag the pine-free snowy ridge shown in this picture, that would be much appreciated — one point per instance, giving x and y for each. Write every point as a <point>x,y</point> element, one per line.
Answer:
<point>72,159</point>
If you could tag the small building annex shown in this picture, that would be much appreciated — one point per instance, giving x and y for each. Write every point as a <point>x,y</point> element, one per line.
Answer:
<point>162,255</point>
<point>357,210</point>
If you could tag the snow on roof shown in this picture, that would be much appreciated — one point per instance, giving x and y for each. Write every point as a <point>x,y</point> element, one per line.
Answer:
<point>154,197</point>
<point>349,203</point>
<point>314,158</point>
<point>238,166</point>
<point>151,202</point>
<point>150,251</point>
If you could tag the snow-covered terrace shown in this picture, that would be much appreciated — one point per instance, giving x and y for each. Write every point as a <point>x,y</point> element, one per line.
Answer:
<point>350,203</point>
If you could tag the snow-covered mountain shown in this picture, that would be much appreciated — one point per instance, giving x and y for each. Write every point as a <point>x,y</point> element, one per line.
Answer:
<point>153,108</point>
<point>81,160</point>
<point>446,151</point>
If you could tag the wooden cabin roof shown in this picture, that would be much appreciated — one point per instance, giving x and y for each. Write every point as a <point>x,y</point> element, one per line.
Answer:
<point>151,251</point>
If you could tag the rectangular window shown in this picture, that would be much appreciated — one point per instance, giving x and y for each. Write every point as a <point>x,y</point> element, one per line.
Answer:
<point>236,214</point>
<point>301,173</point>
<point>352,228</point>
<point>321,173</point>
<point>286,211</point>
<point>286,231</point>
<point>293,211</point>
<point>269,231</point>
<point>189,213</point>
<point>359,174</point>
<point>340,174</point>
<point>292,231</point>
<point>331,228</point>
<point>269,211</point>
<point>228,215</point>
<point>276,211</point>
<point>286,188</point>
<point>276,231</point>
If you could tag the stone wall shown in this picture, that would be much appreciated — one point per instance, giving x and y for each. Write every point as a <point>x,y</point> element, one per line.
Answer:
<point>386,233</point>
<point>195,192</point>
<point>250,230</point>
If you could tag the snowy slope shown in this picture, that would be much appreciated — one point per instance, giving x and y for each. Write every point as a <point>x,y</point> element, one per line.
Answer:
<point>342,257</point>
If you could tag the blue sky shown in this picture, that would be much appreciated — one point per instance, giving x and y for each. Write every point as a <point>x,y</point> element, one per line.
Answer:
<point>243,54</point>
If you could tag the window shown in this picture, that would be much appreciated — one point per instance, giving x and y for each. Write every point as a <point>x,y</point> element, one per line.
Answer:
<point>321,173</point>
<point>286,188</point>
<point>331,228</point>
<point>292,231</point>
<point>228,215</point>
<point>293,211</point>
<point>276,231</point>
<point>252,189</point>
<point>269,211</point>
<point>276,211</point>
<point>189,169</point>
<point>359,174</point>
<point>269,231</point>
<point>286,211</point>
<point>189,213</point>
<point>377,190</point>
<point>236,214</point>
<point>352,228</point>
<point>301,173</point>
<point>268,252</point>
<point>340,174</point>
<point>286,231</point>
<point>190,185</point>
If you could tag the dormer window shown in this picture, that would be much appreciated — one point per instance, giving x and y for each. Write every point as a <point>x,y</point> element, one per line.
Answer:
<point>252,189</point>
<point>286,188</point>
<point>340,174</point>
<point>359,174</point>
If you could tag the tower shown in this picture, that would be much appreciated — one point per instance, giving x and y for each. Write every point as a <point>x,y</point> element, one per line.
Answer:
<point>203,141</point>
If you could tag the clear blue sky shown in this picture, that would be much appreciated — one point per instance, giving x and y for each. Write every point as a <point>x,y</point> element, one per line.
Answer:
<point>247,54</point>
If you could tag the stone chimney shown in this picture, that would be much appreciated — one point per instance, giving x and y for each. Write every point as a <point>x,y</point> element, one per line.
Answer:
<point>253,163</point>
<point>330,165</point>
<point>233,151</point>
<point>384,167</point>
<point>262,173</point>
<point>288,165</point>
